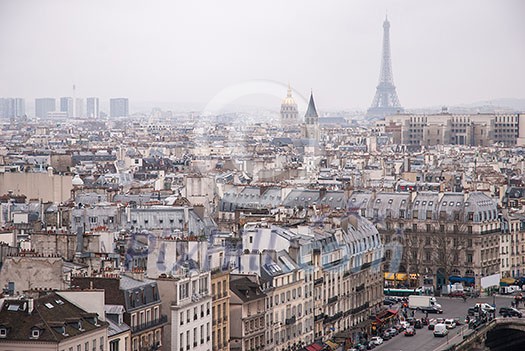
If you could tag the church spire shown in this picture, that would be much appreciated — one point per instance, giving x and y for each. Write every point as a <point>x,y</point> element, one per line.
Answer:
<point>311,115</point>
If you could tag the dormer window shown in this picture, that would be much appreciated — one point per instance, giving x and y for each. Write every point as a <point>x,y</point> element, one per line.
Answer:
<point>3,332</point>
<point>35,333</point>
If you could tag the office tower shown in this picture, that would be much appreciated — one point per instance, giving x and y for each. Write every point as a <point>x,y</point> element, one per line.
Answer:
<point>20,107</point>
<point>119,107</point>
<point>66,105</point>
<point>79,107</point>
<point>385,100</point>
<point>92,107</point>
<point>43,106</point>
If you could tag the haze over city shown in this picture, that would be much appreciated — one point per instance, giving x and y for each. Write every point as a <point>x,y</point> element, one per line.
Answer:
<point>182,52</point>
<point>262,175</point>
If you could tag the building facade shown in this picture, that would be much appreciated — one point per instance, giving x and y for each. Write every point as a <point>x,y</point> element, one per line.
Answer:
<point>119,107</point>
<point>444,128</point>
<point>92,107</point>
<point>43,106</point>
<point>289,112</point>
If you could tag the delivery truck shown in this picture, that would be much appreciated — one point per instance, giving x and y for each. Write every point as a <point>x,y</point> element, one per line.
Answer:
<point>424,303</point>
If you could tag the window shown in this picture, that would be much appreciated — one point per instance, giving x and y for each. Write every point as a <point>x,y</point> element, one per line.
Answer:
<point>469,258</point>
<point>3,332</point>
<point>429,228</point>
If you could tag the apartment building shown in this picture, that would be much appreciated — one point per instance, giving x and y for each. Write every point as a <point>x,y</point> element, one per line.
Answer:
<point>436,237</point>
<point>141,299</point>
<point>50,322</point>
<point>247,313</point>
<point>220,291</point>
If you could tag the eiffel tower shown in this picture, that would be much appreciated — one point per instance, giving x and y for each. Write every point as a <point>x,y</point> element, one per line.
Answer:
<point>385,101</point>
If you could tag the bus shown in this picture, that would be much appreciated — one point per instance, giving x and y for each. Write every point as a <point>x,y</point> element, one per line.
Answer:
<point>402,292</point>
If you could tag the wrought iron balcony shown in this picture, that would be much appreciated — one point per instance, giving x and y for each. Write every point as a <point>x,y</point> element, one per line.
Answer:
<point>333,299</point>
<point>290,321</point>
<point>151,324</point>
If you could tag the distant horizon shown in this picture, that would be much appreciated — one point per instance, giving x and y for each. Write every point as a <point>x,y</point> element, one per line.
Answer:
<point>145,106</point>
<point>443,53</point>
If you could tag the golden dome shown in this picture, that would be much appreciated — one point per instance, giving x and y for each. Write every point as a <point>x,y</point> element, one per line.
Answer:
<point>289,99</point>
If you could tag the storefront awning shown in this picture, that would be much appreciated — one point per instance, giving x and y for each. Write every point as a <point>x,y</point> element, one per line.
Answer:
<point>458,279</point>
<point>396,276</point>
<point>383,316</point>
<point>507,281</point>
<point>314,347</point>
<point>332,345</point>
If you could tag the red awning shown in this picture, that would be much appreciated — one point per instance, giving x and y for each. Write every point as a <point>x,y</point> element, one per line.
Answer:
<point>385,315</point>
<point>314,347</point>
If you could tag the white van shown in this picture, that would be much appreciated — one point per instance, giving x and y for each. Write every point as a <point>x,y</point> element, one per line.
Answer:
<point>440,330</point>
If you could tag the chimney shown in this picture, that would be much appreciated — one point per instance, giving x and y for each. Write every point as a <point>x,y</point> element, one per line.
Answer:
<point>322,193</point>
<point>30,305</point>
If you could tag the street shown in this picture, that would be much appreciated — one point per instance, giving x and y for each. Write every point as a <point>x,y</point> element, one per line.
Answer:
<point>424,339</point>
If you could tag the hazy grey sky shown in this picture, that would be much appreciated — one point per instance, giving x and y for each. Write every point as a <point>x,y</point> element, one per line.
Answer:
<point>443,52</point>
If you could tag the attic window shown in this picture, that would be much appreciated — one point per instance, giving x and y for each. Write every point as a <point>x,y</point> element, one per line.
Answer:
<point>59,302</point>
<point>378,200</point>
<point>430,203</point>
<point>417,203</point>
<point>14,307</point>
<point>3,332</point>
<point>35,333</point>
<point>390,201</point>
<point>424,203</point>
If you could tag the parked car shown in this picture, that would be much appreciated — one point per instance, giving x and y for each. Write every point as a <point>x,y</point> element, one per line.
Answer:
<point>389,302</point>
<point>510,312</point>
<point>370,345</point>
<point>485,307</point>
<point>386,336</point>
<point>450,323</point>
<point>410,331</point>
<point>432,309</point>
<point>418,324</point>
<point>457,293</point>
<point>431,324</point>
<point>392,331</point>
<point>404,324</point>
<point>411,320</point>
<point>377,340</point>
<point>440,330</point>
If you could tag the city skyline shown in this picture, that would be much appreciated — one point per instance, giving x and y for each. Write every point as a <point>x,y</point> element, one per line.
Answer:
<point>189,54</point>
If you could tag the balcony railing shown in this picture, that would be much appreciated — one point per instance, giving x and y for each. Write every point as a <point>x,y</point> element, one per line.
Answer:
<point>290,321</point>
<point>332,299</point>
<point>151,324</point>
<point>318,281</point>
<point>319,317</point>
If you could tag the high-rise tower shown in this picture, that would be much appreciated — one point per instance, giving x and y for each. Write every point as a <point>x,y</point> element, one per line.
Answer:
<point>385,101</point>
<point>289,112</point>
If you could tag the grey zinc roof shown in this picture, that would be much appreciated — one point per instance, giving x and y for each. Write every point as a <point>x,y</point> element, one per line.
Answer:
<point>301,197</point>
<point>425,201</point>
